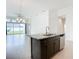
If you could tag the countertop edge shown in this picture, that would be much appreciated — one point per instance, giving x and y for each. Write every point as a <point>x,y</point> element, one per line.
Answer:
<point>40,37</point>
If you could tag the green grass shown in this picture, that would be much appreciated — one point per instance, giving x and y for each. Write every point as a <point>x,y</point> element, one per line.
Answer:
<point>15,32</point>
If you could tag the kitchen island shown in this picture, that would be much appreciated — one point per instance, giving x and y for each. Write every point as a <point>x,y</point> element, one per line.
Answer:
<point>45,46</point>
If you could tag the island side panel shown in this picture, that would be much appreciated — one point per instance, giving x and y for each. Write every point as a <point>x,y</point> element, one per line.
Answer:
<point>35,49</point>
<point>44,49</point>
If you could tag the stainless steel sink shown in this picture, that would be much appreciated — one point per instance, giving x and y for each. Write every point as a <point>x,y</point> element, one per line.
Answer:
<point>48,34</point>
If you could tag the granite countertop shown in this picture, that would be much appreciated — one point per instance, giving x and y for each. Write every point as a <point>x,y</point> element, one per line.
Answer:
<point>42,36</point>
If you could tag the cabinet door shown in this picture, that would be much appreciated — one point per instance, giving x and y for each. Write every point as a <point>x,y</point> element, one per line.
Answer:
<point>50,48</point>
<point>44,49</point>
<point>57,44</point>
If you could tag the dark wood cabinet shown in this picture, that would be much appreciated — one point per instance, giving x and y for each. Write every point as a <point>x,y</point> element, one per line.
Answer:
<point>53,46</point>
<point>50,48</point>
<point>44,48</point>
<point>35,49</point>
<point>57,45</point>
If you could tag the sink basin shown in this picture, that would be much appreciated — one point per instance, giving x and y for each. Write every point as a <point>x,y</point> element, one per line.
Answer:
<point>48,34</point>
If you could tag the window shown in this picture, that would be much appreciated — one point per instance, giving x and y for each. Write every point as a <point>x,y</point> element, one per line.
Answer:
<point>15,28</point>
<point>9,28</point>
<point>22,27</point>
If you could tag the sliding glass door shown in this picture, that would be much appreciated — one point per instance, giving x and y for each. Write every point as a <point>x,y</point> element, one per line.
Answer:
<point>15,28</point>
<point>15,33</point>
<point>9,28</point>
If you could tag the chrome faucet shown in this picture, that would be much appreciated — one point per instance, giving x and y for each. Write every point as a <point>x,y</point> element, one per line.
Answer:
<point>47,29</point>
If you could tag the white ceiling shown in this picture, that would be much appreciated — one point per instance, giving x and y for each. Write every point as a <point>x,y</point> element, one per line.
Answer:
<point>31,6</point>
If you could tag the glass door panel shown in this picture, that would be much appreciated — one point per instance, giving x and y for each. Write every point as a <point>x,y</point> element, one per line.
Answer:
<point>10,29</point>
<point>22,28</point>
<point>16,29</point>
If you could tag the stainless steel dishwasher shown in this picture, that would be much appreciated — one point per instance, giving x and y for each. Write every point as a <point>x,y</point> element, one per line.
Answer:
<point>62,41</point>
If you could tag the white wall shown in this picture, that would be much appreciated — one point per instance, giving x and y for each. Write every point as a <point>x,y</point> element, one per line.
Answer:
<point>53,20</point>
<point>39,22</point>
<point>68,13</point>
